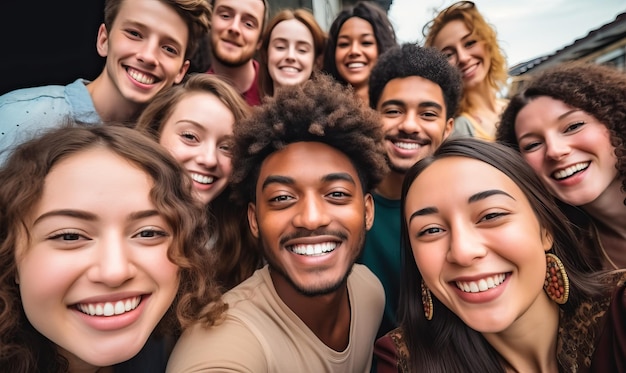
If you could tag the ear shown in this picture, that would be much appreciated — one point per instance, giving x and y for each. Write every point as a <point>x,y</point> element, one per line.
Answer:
<point>448,128</point>
<point>369,211</point>
<point>183,70</point>
<point>102,41</point>
<point>252,222</point>
<point>546,239</point>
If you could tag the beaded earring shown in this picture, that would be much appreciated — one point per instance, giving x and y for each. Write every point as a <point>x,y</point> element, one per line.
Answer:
<point>556,284</point>
<point>427,301</point>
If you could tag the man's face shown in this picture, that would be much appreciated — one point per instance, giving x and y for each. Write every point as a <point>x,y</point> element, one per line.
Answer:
<point>413,114</point>
<point>236,27</point>
<point>310,216</point>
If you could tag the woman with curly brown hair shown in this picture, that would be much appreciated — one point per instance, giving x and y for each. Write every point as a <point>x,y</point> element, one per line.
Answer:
<point>102,243</point>
<point>471,44</point>
<point>569,123</point>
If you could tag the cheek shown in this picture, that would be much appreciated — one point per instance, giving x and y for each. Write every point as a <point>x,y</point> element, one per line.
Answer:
<point>226,165</point>
<point>534,159</point>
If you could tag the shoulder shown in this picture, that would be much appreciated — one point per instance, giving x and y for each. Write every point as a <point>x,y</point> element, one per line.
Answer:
<point>392,352</point>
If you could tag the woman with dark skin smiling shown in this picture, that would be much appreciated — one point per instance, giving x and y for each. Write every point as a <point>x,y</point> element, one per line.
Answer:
<point>492,279</point>
<point>569,123</point>
<point>357,36</point>
<point>471,44</point>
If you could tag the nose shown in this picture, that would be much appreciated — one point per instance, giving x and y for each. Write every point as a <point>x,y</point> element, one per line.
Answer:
<point>465,245</point>
<point>410,123</point>
<point>291,53</point>
<point>312,213</point>
<point>462,57</point>
<point>148,51</point>
<point>355,49</point>
<point>557,147</point>
<point>207,155</point>
<point>112,264</point>
<point>234,27</point>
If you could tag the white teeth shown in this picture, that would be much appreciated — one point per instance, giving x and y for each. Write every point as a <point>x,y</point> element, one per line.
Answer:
<point>313,250</point>
<point>482,284</point>
<point>355,65</point>
<point>109,308</point>
<point>570,170</point>
<point>140,77</point>
<point>289,69</point>
<point>407,145</point>
<point>202,179</point>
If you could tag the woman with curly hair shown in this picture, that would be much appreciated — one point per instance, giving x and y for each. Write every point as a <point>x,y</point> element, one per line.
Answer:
<point>569,123</point>
<point>358,35</point>
<point>195,122</point>
<point>493,280</point>
<point>102,253</point>
<point>471,44</point>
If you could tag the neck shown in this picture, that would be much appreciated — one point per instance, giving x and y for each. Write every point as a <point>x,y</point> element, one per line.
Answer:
<point>241,77</point>
<point>530,344</point>
<point>109,103</point>
<point>391,186</point>
<point>362,94</point>
<point>327,316</point>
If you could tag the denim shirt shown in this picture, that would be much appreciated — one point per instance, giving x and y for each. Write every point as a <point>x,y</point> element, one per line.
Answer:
<point>25,112</point>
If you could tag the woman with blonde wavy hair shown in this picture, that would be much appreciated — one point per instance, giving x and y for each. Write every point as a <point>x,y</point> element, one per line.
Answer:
<point>470,43</point>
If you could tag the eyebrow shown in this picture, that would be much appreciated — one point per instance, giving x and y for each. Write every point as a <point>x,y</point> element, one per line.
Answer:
<point>84,215</point>
<point>473,198</point>
<point>278,179</point>
<point>425,104</point>
<point>567,113</point>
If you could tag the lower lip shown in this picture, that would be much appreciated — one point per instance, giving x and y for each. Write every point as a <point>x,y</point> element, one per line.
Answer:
<point>203,187</point>
<point>483,296</point>
<point>469,73</point>
<point>110,323</point>
<point>572,180</point>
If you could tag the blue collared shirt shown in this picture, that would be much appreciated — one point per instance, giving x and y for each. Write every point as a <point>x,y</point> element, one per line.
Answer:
<point>26,112</point>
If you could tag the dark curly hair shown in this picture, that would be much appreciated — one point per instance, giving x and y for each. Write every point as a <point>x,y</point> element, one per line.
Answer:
<point>375,16</point>
<point>319,110</point>
<point>410,59</point>
<point>598,90</point>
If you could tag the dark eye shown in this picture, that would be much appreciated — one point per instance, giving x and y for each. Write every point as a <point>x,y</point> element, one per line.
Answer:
<point>492,216</point>
<point>574,126</point>
<point>470,43</point>
<point>281,198</point>
<point>151,233</point>
<point>429,231</point>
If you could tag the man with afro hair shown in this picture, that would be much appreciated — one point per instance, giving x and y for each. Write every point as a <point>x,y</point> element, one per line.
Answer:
<point>304,163</point>
<point>417,93</point>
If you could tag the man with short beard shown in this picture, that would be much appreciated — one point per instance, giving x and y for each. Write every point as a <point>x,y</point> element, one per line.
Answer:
<point>417,92</point>
<point>304,164</point>
<point>235,37</point>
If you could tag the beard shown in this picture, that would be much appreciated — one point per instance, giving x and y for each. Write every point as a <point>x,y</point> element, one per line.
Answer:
<point>396,168</point>
<point>317,289</point>
<point>228,61</point>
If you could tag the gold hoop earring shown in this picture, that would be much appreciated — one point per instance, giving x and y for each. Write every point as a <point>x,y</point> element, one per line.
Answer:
<point>556,284</point>
<point>427,302</point>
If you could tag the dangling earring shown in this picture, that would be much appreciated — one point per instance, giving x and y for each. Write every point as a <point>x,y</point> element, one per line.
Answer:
<point>427,302</point>
<point>556,284</point>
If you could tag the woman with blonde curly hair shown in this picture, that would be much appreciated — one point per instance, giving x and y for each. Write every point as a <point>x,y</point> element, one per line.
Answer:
<point>102,253</point>
<point>569,123</point>
<point>470,43</point>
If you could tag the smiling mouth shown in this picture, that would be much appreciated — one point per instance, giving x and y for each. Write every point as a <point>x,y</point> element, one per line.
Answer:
<point>481,285</point>
<point>202,179</point>
<point>314,249</point>
<point>109,308</point>
<point>140,77</point>
<point>355,65</point>
<point>571,170</point>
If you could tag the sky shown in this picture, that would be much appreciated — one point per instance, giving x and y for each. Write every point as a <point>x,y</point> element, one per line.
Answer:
<point>526,28</point>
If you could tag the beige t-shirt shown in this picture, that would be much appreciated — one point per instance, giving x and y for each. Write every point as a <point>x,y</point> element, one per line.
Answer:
<point>261,334</point>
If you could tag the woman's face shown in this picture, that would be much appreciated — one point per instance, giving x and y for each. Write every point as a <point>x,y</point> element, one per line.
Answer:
<point>290,54</point>
<point>95,278</point>
<point>356,52</point>
<point>478,244</point>
<point>465,51</point>
<point>199,135</point>
<point>568,148</point>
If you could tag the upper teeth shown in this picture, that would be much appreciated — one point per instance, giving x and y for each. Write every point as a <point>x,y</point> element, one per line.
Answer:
<point>483,284</point>
<point>202,179</point>
<point>315,249</point>
<point>406,145</point>
<point>141,77</point>
<point>289,69</point>
<point>356,64</point>
<point>109,308</point>
<point>570,170</point>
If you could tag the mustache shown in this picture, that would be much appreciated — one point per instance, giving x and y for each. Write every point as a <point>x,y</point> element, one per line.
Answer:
<point>303,233</point>
<point>406,136</point>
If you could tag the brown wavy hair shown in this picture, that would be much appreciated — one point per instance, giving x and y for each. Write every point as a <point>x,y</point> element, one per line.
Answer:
<point>596,89</point>
<point>22,348</point>
<point>467,12</point>
<point>235,249</point>
<point>195,13</point>
<point>304,16</point>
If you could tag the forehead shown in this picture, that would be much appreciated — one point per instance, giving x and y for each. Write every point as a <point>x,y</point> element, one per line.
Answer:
<point>307,163</point>
<point>452,180</point>
<point>255,8</point>
<point>355,26</point>
<point>412,90</point>
<point>292,29</point>
<point>451,32</point>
